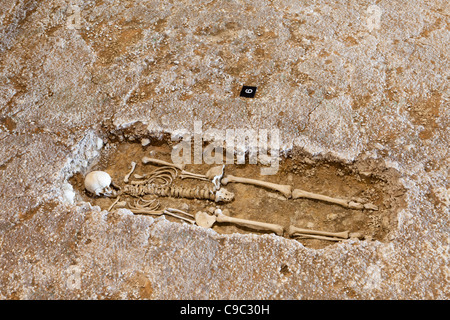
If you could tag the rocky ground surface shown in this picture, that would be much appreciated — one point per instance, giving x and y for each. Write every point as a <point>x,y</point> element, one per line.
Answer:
<point>353,80</point>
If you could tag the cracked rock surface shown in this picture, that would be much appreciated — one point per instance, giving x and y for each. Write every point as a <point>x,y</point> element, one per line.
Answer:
<point>333,78</point>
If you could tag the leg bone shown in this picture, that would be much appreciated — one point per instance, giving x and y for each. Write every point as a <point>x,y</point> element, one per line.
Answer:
<point>306,236</point>
<point>303,232</point>
<point>286,190</point>
<point>250,223</point>
<point>298,193</point>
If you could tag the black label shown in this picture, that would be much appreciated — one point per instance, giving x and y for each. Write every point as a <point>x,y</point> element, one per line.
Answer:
<point>248,92</point>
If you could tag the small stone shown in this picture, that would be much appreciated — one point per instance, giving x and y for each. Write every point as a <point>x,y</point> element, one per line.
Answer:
<point>184,206</point>
<point>366,173</point>
<point>356,235</point>
<point>211,210</point>
<point>332,216</point>
<point>145,142</point>
<point>121,204</point>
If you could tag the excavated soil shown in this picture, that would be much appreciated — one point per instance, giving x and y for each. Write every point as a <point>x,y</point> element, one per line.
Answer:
<point>364,180</point>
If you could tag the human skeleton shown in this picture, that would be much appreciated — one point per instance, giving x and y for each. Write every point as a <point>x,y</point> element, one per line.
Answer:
<point>160,183</point>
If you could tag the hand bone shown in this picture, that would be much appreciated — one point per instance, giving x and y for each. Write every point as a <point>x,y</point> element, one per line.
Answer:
<point>286,190</point>
<point>161,212</point>
<point>215,175</point>
<point>180,211</point>
<point>210,174</point>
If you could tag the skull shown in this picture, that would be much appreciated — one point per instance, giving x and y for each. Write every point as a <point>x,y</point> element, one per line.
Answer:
<point>98,183</point>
